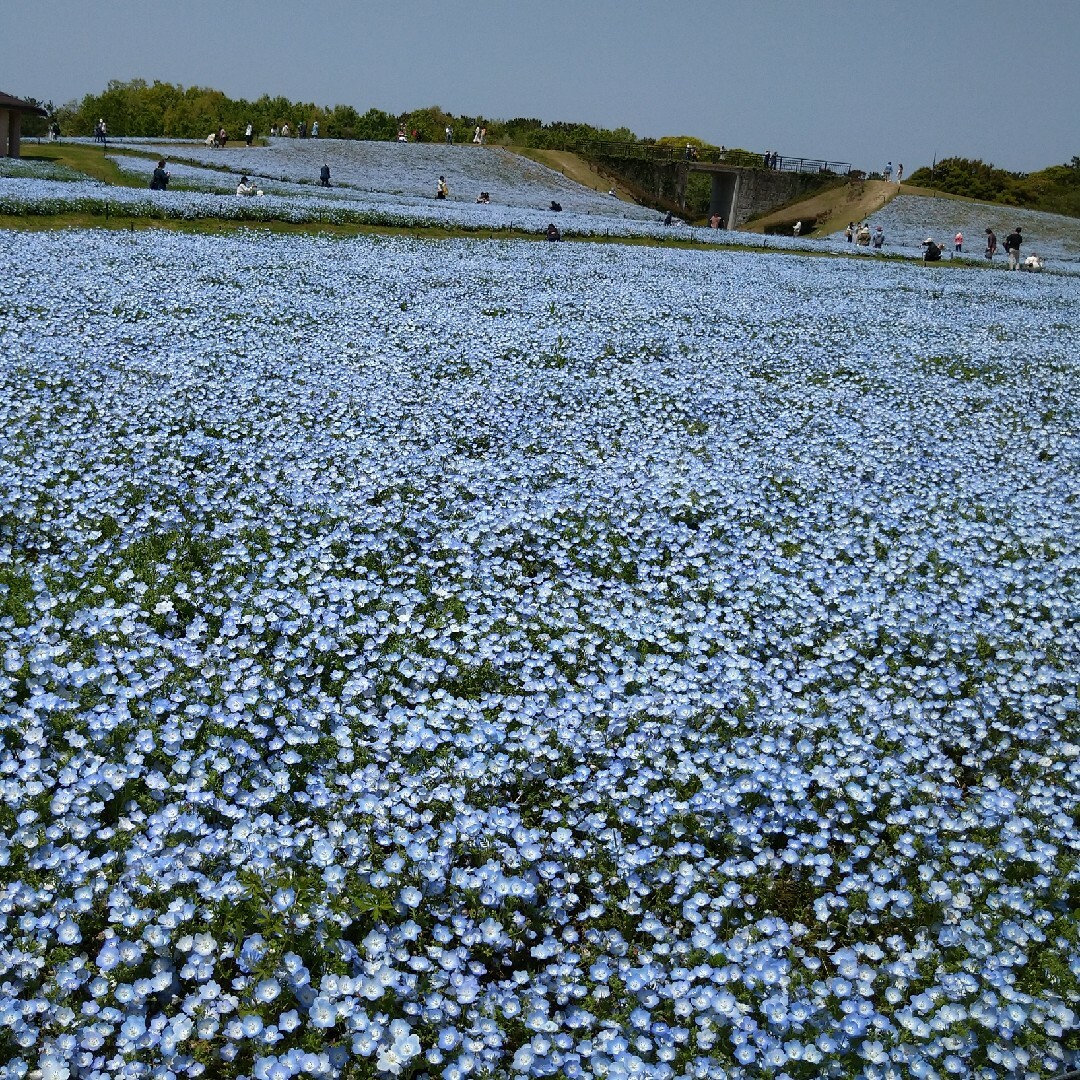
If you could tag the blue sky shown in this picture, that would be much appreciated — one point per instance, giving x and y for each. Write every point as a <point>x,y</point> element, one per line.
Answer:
<point>864,81</point>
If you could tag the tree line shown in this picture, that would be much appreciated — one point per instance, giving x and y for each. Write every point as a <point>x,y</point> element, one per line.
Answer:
<point>159,109</point>
<point>1055,189</point>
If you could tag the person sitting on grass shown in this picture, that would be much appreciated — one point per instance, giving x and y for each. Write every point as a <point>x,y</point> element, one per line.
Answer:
<point>931,251</point>
<point>553,233</point>
<point>245,187</point>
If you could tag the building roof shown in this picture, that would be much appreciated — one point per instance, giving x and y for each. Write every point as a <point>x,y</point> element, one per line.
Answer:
<point>18,105</point>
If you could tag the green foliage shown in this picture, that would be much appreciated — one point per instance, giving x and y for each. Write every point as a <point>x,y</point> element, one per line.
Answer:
<point>1055,189</point>
<point>34,126</point>
<point>138,108</point>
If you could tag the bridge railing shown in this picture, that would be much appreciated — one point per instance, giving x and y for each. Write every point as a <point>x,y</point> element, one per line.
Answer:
<point>743,159</point>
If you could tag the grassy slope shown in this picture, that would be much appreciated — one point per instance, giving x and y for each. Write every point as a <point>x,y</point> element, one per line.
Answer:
<point>90,160</point>
<point>573,167</point>
<point>838,205</point>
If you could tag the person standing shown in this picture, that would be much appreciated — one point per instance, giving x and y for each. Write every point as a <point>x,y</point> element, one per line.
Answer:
<point>878,238</point>
<point>958,242</point>
<point>449,134</point>
<point>1012,248</point>
<point>442,190</point>
<point>899,173</point>
<point>249,131</point>
<point>315,130</point>
<point>991,243</point>
<point>324,175</point>
<point>888,171</point>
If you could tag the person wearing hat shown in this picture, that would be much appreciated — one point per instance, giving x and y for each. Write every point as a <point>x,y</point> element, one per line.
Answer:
<point>1012,248</point>
<point>931,251</point>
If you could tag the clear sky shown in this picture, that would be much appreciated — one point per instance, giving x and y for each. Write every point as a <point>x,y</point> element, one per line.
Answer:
<point>864,81</point>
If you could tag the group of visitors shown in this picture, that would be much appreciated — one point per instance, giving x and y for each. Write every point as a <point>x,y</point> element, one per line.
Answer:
<point>772,160</point>
<point>285,132</point>
<point>862,236</point>
<point>887,173</point>
<point>1012,246</point>
<point>100,131</point>
<point>932,250</point>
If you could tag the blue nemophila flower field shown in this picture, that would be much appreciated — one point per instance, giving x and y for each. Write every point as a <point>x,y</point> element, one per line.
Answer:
<point>909,219</point>
<point>500,659</point>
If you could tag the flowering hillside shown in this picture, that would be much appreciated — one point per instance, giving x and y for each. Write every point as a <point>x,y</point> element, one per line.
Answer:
<point>409,170</point>
<point>910,219</point>
<point>498,659</point>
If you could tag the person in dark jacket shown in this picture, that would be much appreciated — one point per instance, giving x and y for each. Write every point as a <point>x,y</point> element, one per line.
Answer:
<point>160,180</point>
<point>324,176</point>
<point>1012,248</point>
<point>931,251</point>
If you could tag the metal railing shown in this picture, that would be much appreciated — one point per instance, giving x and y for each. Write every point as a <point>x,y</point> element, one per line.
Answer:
<point>743,159</point>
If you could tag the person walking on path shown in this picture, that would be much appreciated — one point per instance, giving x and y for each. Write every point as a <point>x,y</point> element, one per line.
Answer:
<point>1012,248</point>
<point>888,171</point>
<point>899,173</point>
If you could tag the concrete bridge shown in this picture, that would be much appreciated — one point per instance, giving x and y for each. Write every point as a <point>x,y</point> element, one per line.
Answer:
<point>744,185</point>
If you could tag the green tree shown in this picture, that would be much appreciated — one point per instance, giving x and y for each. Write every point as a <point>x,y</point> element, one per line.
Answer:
<point>35,126</point>
<point>376,124</point>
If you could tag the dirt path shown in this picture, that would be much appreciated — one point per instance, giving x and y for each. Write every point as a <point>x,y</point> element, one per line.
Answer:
<point>832,209</point>
<point>573,168</point>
